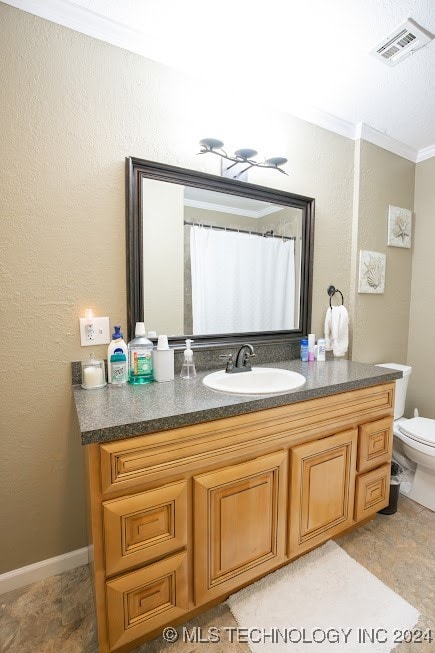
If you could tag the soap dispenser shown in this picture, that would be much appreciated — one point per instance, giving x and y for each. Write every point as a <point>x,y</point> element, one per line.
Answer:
<point>188,370</point>
<point>116,347</point>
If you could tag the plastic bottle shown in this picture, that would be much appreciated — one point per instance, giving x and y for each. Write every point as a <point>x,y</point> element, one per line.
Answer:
<point>118,366</point>
<point>188,370</point>
<point>140,361</point>
<point>163,361</point>
<point>116,346</point>
<point>311,345</point>
<point>321,349</point>
<point>304,350</point>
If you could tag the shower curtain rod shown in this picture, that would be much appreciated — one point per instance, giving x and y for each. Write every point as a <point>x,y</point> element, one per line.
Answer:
<point>267,234</point>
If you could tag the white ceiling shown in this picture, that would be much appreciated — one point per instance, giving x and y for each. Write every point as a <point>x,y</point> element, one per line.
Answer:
<point>282,51</point>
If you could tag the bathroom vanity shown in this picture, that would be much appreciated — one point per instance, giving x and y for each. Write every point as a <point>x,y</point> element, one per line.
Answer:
<point>194,494</point>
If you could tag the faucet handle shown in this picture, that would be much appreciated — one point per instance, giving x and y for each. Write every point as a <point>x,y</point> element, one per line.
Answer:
<point>247,359</point>
<point>230,362</point>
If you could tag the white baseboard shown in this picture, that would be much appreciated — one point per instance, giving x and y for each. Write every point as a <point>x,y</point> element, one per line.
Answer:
<point>16,578</point>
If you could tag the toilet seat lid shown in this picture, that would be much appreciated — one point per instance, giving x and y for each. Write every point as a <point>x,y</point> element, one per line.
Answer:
<point>420,429</point>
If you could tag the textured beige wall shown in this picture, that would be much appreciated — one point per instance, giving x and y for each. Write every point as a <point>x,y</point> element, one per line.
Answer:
<point>421,349</point>
<point>380,322</point>
<point>72,109</point>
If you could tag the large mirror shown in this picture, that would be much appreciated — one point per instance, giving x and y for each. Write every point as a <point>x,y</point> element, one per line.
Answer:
<point>216,259</point>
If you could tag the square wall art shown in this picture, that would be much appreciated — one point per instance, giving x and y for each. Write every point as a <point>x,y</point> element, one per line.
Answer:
<point>399,227</point>
<point>371,272</point>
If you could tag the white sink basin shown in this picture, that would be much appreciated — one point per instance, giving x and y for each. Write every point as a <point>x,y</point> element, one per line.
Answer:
<point>260,380</point>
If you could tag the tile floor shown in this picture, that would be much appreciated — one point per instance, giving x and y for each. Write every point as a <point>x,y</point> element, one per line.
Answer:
<point>57,616</point>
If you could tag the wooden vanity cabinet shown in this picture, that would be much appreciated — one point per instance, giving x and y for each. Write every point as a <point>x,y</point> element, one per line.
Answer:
<point>180,519</point>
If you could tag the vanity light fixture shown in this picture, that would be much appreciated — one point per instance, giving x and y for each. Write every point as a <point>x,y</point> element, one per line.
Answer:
<point>242,158</point>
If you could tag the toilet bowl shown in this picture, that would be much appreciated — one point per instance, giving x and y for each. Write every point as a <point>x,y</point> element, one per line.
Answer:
<point>415,439</point>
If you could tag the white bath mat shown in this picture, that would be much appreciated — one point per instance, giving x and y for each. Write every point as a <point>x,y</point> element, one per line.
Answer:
<point>324,601</point>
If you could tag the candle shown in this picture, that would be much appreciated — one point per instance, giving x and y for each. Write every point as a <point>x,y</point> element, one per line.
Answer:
<point>93,376</point>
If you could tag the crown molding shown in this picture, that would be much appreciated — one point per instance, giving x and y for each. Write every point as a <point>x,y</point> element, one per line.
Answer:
<point>233,210</point>
<point>371,135</point>
<point>86,21</point>
<point>91,23</point>
<point>426,153</point>
<point>325,120</point>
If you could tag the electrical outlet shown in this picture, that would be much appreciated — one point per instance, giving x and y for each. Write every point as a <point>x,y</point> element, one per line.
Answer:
<point>94,331</point>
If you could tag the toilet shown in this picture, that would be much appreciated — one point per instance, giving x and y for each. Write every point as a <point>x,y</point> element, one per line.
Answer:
<point>415,439</point>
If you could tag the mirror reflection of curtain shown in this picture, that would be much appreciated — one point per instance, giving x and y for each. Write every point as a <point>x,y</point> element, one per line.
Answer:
<point>241,282</point>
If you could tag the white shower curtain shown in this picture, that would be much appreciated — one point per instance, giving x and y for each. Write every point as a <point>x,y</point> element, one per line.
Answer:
<point>241,282</point>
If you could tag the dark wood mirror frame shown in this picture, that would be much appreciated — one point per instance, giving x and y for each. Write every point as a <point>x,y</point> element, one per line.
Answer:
<point>138,169</point>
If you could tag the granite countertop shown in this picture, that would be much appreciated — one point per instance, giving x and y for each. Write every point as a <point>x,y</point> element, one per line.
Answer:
<point>118,412</point>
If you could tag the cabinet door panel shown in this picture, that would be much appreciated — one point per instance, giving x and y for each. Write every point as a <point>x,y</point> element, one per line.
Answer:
<point>322,490</point>
<point>251,543</point>
<point>144,526</point>
<point>240,515</point>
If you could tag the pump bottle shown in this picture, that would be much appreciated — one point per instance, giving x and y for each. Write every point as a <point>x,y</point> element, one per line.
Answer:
<point>117,346</point>
<point>188,370</point>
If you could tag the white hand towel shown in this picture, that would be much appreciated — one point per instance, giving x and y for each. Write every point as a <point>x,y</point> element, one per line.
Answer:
<point>337,330</point>
<point>328,329</point>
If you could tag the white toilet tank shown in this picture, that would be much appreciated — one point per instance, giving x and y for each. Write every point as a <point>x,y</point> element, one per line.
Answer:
<point>401,387</point>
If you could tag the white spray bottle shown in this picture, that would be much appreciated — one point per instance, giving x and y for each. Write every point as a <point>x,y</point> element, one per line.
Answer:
<point>188,370</point>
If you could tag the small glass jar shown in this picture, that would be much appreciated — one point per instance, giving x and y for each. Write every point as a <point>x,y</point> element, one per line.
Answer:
<point>93,374</point>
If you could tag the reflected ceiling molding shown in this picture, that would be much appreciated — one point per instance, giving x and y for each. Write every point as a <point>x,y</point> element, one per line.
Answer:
<point>231,204</point>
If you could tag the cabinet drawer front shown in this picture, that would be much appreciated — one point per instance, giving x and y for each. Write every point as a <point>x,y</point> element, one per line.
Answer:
<point>372,492</point>
<point>322,490</point>
<point>375,444</point>
<point>239,524</point>
<point>146,599</point>
<point>146,459</point>
<point>144,526</point>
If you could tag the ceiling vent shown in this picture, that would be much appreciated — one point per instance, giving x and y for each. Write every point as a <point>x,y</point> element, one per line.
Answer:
<point>405,39</point>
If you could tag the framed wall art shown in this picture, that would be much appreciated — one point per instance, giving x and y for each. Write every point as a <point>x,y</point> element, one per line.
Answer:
<point>371,272</point>
<point>399,227</point>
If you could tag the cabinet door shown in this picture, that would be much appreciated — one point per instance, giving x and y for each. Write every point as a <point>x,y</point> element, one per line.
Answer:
<point>322,490</point>
<point>240,524</point>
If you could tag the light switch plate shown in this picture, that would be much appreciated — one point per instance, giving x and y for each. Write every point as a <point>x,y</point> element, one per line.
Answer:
<point>94,331</point>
